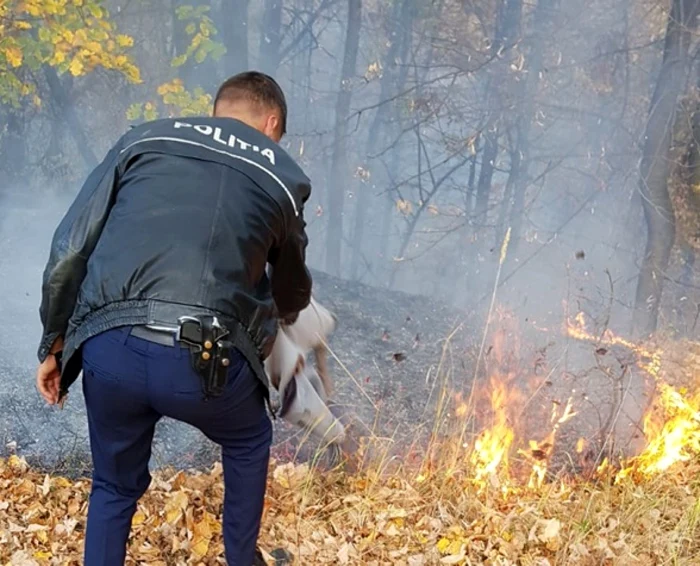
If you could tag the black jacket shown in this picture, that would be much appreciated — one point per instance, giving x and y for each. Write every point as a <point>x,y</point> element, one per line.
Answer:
<point>181,217</point>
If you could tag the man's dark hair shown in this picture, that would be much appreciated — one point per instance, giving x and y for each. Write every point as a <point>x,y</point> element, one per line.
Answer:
<point>255,87</point>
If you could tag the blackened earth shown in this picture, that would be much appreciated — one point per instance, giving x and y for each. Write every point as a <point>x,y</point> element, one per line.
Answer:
<point>384,359</point>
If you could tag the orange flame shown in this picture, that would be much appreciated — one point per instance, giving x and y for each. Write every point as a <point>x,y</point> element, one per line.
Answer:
<point>492,446</point>
<point>671,427</point>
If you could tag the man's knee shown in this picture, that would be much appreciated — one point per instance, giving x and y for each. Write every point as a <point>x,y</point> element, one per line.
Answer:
<point>127,493</point>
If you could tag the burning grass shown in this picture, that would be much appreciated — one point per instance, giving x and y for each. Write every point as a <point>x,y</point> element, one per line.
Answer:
<point>481,492</point>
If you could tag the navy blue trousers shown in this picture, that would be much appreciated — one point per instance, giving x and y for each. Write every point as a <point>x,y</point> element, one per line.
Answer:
<point>129,384</point>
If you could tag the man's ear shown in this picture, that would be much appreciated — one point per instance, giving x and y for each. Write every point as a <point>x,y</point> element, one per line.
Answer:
<point>272,125</point>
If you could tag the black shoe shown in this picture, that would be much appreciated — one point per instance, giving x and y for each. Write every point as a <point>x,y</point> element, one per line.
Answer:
<point>281,556</point>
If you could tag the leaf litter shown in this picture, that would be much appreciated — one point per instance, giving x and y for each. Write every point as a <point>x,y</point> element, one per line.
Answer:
<point>468,510</point>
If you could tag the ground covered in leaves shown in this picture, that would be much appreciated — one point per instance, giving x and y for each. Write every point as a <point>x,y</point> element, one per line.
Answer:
<point>447,507</point>
<point>371,519</point>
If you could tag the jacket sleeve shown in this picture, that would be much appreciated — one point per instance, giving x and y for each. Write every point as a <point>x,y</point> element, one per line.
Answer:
<point>291,280</point>
<point>73,242</point>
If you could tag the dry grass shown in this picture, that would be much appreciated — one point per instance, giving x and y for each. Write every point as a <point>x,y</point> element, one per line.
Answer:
<point>333,518</point>
<point>391,512</point>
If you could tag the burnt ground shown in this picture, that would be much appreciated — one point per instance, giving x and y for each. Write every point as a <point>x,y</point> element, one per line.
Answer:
<point>384,357</point>
<point>387,362</point>
<point>387,347</point>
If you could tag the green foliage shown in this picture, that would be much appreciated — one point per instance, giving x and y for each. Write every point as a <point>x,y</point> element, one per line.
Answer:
<point>73,36</point>
<point>175,99</point>
<point>200,28</point>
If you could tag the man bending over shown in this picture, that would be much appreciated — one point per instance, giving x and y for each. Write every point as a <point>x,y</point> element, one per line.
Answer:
<point>156,288</point>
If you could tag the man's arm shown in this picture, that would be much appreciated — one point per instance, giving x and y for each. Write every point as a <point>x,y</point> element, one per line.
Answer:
<point>291,281</point>
<point>73,242</point>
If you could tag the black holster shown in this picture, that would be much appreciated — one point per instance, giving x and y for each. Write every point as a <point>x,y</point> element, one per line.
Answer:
<point>211,354</point>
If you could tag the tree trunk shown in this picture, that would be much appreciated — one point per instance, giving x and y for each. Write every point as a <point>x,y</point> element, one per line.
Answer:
<point>654,167</point>
<point>507,29</point>
<point>233,27</point>
<point>488,161</point>
<point>59,94</point>
<point>526,104</point>
<point>13,153</point>
<point>399,38</point>
<point>339,166</point>
<point>270,37</point>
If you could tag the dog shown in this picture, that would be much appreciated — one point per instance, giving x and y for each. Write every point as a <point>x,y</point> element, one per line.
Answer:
<point>303,389</point>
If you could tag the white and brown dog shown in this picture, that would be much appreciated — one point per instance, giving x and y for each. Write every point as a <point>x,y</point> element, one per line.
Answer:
<point>304,391</point>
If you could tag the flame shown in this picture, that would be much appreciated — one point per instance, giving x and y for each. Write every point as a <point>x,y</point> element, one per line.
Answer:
<point>492,446</point>
<point>671,427</point>
<point>675,440</point>
<point>649,360</point>
<point>501,399</point>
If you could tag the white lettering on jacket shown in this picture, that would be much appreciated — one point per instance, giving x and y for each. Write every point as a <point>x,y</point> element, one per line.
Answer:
<point>232,141</point>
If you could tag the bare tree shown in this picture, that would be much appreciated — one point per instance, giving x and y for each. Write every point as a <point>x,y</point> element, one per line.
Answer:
<point>339,164</point>
<point>527,91</point>
<point>270,36</point>
<point>401,22</point>
<point>233,27</point>
<point>654,167</point>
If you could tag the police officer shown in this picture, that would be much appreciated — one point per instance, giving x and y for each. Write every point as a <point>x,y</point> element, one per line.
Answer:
<point>165,283</point>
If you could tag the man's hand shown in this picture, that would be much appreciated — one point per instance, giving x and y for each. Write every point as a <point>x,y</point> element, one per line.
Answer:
<point>48,379</point>
<point>48,376</point>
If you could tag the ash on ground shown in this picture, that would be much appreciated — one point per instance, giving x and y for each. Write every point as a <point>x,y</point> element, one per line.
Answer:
<point>392,357</point>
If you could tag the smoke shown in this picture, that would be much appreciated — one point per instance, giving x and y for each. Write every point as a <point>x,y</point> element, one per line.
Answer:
<point>562,98</point>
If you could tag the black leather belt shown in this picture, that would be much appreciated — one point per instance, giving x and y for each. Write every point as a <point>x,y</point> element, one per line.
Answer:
<point>162,337</point>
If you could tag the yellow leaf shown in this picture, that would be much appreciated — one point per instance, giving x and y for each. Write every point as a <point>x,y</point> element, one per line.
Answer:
<point>125,40</point>
<point>455,547</point>
<point>22,25</point>
<point>17,464</point>
<point>164,89</point>
<point>96,11</point>
<point>62,482</point>
<point>42,554</point>
<point>76,67</point>
<point>139,517</point>
<point>175,505</point>
<point>443,544</point>
<point>203,534</point>
<point>58,58</point>
<point>133,74</point>
<point>13,56</point>
<point>94,46</point>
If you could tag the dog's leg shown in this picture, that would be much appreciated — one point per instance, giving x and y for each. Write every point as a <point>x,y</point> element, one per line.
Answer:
<point>322,368</point>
